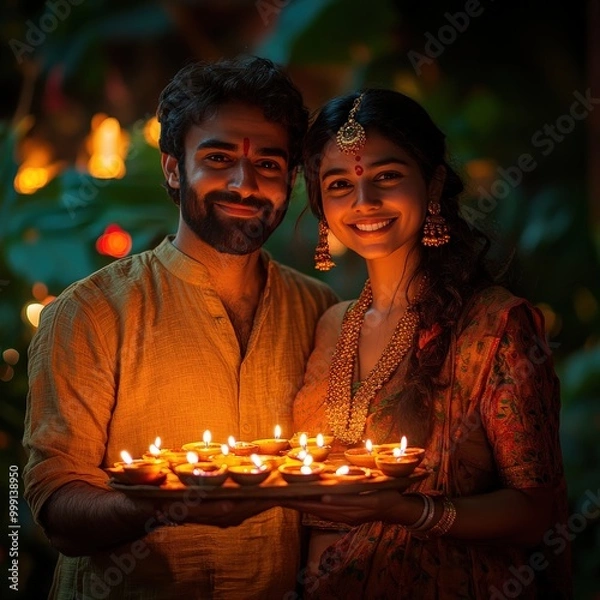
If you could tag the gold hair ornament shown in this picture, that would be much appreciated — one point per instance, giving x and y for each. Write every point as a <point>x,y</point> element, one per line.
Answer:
<point>351,136</point>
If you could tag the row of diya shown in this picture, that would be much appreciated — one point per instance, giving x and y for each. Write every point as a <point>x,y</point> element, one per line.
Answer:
<point>250,463</point>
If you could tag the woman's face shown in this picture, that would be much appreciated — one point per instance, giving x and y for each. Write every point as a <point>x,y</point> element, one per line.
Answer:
<point>375,202</point>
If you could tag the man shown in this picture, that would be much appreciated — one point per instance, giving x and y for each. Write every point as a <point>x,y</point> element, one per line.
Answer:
<point>204,332</point>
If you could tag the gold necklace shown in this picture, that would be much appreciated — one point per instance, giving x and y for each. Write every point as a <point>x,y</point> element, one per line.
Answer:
<point>347,415</point>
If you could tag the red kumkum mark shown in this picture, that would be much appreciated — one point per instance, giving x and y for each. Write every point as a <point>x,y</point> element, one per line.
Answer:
<point>358,170</point>
<point>357,158</point>
<point>246,146</point>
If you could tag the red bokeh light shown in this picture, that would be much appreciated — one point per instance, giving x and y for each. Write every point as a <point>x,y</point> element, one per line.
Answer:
<point>114,242</point>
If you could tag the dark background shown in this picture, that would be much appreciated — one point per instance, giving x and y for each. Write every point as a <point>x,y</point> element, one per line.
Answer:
<point>495,87</point>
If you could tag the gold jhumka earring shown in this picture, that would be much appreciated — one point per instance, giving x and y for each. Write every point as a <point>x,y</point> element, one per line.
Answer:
<point>435,231</point>
<point>350,138</point>
<point>323,260</point>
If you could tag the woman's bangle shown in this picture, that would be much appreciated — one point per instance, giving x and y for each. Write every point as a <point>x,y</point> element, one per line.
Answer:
<point>424,521</point>
<point>444,524</point>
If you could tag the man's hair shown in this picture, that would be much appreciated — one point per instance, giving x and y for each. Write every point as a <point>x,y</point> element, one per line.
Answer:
<point>199,89</point>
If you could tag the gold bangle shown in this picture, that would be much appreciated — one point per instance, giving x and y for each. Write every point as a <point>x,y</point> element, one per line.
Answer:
<point>445,523</point>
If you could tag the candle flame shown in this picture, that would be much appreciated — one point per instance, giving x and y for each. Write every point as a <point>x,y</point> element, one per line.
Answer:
<point>224,449</point>
<point>192,458</point>
<point>255,458</point>
<point>320,440</point>
<point>369,446</point>
<point>303,440</point>
<point>206,437</point>
<point>307,460</point>
<point>277,432</point>
<point>126,457</point>
<point>154,449</point>
<point>403,445</point>
<point>397,452</point>
<point>231,441</point>
<point>343,470</point>
<point>158,442</point>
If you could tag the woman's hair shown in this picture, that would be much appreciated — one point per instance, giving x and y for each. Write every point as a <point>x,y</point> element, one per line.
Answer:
<point>198,90</point>
<point>454,271</point>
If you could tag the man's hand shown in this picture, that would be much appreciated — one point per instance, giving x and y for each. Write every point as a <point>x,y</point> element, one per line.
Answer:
<point>218,513</point>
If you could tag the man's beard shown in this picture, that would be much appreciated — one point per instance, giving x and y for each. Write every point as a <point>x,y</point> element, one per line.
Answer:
<point>225,233</point>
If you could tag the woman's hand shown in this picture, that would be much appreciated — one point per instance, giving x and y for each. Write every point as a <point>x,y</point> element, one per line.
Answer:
<point>354,509</point>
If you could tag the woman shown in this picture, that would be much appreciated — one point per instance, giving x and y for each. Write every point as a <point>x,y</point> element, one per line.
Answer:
<point>434,351</point>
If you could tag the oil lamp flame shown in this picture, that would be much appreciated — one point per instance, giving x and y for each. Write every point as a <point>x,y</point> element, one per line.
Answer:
<point>303,440</point>
<point>403,445</point>
<point>206,438</point>
<point>231,441</point>
<point>224,449</point>
<point>305,469</point>
<point>369,446</point>
<point>126,457</point>
<point>343,470</point>
<point>192,458</point>
<point>257,462</point>
<point>154,449</point>
<point>320,440</point>
<point>277,432</point>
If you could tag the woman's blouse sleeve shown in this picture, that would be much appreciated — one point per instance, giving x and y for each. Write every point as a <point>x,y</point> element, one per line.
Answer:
<point>521,404</point>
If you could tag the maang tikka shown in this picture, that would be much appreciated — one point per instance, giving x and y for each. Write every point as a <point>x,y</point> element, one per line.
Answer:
<point>351,136</point>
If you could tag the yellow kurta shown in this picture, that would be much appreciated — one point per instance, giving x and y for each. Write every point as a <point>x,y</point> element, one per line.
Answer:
<point>145,348</point>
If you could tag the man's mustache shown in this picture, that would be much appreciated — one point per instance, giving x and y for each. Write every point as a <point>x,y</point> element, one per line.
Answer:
<point>217,197</point>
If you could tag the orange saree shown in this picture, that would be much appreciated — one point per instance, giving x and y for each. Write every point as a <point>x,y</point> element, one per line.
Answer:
<point>495,426</point>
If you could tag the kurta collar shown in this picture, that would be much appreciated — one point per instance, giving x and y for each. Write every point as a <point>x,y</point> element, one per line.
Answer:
<point>193,271</point>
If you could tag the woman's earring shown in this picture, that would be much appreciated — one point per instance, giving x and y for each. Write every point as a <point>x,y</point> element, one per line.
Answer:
<point>323,260</point>
<point>435,231</point>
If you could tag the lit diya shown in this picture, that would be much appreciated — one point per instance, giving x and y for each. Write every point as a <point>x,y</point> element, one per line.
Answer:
<point>303,436</point>
<point>362,457</point>
<point>347,473</point>
<point>306,472</point>
<point>319,451</point>
<point>274,445</point>
<point>241,448</point>
<point>204,449</point>
<point>200,473</point>
<point>404,449</point>
<point>397,464</point>
<point>138,471</point>
<point>226,457</point>
<point>250,474</point>
<point>173,457</point>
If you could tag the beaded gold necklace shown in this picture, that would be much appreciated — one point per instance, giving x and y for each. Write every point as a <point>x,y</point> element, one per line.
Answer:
<point>347,415</point>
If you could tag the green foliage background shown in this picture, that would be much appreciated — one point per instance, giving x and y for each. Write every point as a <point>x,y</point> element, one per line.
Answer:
<point>507,76</point>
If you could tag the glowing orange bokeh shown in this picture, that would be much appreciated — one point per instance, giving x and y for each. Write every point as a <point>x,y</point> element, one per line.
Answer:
<point>114,242</point>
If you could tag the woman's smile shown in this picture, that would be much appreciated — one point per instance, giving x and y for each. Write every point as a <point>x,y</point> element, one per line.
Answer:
<point>372,226</point>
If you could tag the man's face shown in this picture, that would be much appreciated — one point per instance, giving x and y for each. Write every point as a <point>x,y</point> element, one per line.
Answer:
<point>234,187</point>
